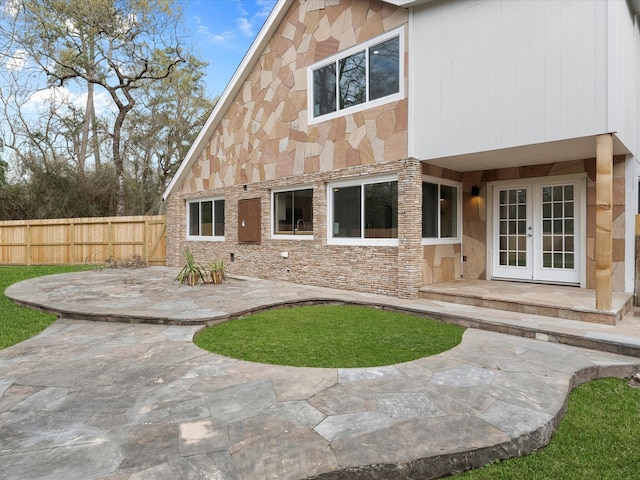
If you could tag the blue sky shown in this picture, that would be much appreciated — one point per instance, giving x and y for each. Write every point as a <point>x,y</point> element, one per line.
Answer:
<point>222,32</point>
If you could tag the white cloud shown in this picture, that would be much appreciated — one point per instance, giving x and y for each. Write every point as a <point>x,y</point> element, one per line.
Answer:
<point>15,61</point>
<point>10,8</point>
<point>41,100</point>
<point>203,31</point>
<point>249,26</point>
<point>265,8</point>
<point>56,95</point>
<point>245,26</point>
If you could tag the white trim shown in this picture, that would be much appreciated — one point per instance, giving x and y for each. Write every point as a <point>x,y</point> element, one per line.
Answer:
<point>205,238</point>
<point>364,180</point>
<point>447,240</point>
<point>353,182</point>
<point>364,46</point>
<point>411,85</point>
<point>580,235</point>
<point>280,236</point>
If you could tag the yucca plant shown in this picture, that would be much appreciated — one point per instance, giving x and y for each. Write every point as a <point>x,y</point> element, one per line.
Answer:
<point>217,269</point>
<point>192,273</point>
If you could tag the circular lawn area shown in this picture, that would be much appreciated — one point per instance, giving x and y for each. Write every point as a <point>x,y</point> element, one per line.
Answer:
<point>330,336</point>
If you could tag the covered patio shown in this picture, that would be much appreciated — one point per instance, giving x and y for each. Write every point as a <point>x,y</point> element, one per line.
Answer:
<point>570,303</point>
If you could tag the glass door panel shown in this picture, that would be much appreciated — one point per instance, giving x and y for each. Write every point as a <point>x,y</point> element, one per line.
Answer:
<point>557,237</point>
<point>537,229</point>
<point>513,232</point>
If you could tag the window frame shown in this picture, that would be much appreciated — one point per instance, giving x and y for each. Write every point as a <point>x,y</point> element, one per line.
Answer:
<point>334,59</point>
<point>357,182</point>
<point>199,201</point>
<point>288,236</point>
<point>445,240</point>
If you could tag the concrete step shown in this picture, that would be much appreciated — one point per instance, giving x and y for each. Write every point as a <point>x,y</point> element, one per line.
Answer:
<point>547,300</point>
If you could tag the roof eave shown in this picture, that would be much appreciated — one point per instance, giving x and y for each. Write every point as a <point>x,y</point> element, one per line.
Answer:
<point>230,92</point>
<point>407,3</point>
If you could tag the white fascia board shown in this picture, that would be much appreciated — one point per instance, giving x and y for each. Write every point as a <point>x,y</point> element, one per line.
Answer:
<point>408,3</point>
<point>230,92</point>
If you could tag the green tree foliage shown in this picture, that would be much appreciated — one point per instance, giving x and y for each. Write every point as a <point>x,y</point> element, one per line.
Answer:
<point>130,50</point>
<point>161,129</point>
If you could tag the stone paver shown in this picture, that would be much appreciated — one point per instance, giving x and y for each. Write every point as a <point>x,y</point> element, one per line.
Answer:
<point>88,400</point>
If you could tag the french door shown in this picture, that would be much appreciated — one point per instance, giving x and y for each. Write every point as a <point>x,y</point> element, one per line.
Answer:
<point>537,230</point>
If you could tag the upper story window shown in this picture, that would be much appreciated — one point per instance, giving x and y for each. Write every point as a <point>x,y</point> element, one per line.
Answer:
<point>364,211</point>
<point>440,210</point>
<point>205,219</point>
<point>361,77</point>
<point>293,212</point>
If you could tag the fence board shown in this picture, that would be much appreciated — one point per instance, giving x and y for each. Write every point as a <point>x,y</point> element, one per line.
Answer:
<point>82,240</point>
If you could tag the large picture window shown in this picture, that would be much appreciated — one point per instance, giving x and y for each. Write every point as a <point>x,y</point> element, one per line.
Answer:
<point>293,212</point>
<point>363,211</point>
<point>440,211</point>
<point>370,72</point>
<point>205,219</point>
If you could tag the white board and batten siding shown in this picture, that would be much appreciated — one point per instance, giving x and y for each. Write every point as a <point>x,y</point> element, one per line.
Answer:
<point>493,74</point>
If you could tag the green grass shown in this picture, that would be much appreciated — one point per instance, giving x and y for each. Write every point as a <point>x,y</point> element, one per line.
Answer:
<point>597,439</point>
<point>19,323</point>
<point>330,336</point>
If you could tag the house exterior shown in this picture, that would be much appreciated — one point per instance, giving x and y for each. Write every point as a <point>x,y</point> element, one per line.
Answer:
<point>380,146</point>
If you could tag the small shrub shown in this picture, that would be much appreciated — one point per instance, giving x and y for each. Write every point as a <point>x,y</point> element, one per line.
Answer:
<point>132,261</point>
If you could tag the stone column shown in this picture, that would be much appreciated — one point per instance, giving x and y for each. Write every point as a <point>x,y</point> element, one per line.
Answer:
<point>176,229</point>
<point>604,220</point>
<point>410,229</point>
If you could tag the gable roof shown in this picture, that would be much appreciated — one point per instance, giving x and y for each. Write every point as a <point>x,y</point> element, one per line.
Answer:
<point>233,87</point>
<point>231,90</point>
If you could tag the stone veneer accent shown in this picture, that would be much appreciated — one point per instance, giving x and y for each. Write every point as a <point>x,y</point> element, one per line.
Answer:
<point>474,243</point>
<point>380,269</point>
<point>265,142</point>
<point>265,133</point>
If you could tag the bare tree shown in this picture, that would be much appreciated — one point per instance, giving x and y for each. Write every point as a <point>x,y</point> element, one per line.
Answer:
<point>120,46</point>
<point>164,124</point>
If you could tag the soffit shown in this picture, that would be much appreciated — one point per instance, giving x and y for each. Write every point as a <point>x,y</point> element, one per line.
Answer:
<point>549,152</point>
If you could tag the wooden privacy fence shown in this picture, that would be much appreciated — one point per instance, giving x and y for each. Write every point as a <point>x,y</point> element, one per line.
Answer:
<point>82,240</point>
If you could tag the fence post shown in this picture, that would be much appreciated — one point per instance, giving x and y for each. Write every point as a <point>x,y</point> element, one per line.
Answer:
<point>20,241</point>
<point>110,253</point>
<point>145,242</point>
<point>72,240</point>
<point>28,259</point>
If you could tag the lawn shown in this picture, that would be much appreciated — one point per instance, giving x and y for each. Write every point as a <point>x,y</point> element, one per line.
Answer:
<point>597,439</point>
<point>330,336</point>
<point>19,323</point>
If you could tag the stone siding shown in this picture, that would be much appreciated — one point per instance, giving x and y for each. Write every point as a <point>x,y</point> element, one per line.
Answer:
<point>266,135</point>
<point>474,216</point>
<point>386,270</point>
<point>265,142</point>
